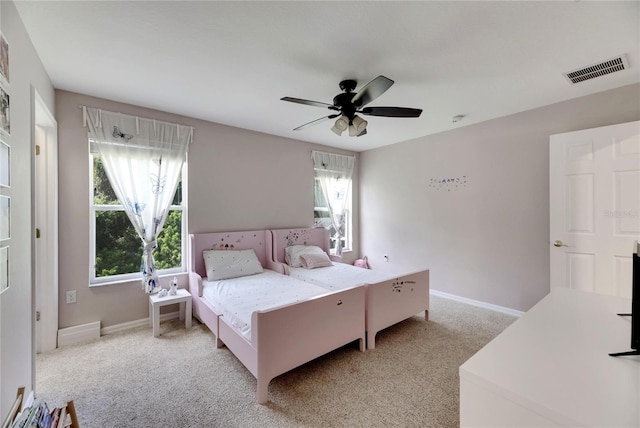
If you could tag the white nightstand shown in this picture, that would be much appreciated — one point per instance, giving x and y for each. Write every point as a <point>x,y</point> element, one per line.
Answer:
<point>183,297</point>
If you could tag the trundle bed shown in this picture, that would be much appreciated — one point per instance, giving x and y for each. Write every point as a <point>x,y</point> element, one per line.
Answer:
<point>278,335</point>
<point>389,299</point>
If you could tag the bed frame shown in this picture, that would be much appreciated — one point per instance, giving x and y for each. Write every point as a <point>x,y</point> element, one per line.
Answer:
<point>387,302</point>
<point>284,337</point>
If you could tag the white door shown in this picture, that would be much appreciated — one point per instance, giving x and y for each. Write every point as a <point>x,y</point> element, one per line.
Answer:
<point>46,227</point>
<point>594,185</point>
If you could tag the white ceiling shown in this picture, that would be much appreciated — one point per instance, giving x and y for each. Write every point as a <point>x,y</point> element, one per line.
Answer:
<point>231,62</point>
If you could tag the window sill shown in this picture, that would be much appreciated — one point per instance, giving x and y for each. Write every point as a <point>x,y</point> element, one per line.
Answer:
<point>137,280</point>
<point>343,252</point>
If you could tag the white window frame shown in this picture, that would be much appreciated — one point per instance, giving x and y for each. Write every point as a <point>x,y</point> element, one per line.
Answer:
<point>128,277</point>
<point>348,239</point>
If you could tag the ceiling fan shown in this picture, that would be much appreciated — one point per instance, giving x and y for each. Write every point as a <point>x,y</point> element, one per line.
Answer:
<point>348,103</point>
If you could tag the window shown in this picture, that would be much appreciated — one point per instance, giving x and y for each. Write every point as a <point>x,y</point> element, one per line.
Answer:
<point>332,196</point>
<point>322,217</point>
<point>116,248</point>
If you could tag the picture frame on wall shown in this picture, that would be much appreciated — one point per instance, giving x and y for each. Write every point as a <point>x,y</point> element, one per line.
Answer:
<point>5,217</point>
<point>5,109</point>
<point>4,58</point>
<point>5,164</point>
<point>4,268</point>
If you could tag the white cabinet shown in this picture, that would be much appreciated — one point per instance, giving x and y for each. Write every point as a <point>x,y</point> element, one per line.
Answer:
<point>551,368</point>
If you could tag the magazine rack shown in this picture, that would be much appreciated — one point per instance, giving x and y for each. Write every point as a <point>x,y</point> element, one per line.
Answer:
<point>69,409</point>
<point>15,409</point>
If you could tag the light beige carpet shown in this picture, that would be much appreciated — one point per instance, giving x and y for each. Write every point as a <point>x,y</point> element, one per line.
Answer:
<point>180,379</point>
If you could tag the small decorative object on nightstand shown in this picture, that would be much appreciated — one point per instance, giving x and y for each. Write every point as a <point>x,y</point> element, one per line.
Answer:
<point>173,287</point>
<point>182,296</point>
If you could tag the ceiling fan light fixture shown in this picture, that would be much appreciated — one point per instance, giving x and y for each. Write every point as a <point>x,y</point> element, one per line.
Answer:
<point>342,123</point>
<point>357,126</point>
<point>347,103</point>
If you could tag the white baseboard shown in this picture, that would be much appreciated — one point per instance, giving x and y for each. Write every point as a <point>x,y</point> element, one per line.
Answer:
<point>124,326</point>
<point>478,303</point>
<point>137,323</point>
<point>81,333</point>
<point>78,333</point>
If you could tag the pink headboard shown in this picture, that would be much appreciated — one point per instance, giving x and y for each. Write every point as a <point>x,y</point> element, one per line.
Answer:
<point>255,239</point>
<point>283,238</point>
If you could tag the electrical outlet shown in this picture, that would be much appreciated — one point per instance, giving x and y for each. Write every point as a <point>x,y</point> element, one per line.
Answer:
<point>71,296</point>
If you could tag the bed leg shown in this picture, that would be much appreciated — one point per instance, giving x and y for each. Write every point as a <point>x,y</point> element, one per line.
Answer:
<point>262,392</point>
<point>371,340</point>
<point>426,314</point>
<point>362,343</point>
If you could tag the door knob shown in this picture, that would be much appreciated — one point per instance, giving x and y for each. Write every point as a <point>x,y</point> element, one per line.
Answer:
<point>559,244</point>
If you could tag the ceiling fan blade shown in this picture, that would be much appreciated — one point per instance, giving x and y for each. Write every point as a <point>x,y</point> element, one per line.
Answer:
<point>313,122</point>
<point>372,90</point>
<point>307,102</point>
<point>392,111</point>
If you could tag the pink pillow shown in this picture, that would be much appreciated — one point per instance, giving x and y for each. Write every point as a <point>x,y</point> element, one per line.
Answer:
<point>293,253</point>
<point>315,260</point>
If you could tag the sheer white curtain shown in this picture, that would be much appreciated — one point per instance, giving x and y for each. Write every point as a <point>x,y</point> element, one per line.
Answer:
<point>334,173</point>
<point>143,159</point>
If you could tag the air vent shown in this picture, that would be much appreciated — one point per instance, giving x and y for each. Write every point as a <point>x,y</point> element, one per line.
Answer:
<point>596,70</point>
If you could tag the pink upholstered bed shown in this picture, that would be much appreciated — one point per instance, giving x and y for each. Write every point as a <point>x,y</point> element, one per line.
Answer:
<point>281,337</point>
<point>389,299</point>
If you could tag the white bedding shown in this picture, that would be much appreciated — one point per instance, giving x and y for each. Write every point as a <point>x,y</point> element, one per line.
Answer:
<point>339,276</point>
<point>238,298</point>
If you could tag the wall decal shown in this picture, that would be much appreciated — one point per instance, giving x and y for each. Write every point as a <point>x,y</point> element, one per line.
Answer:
<point>448,184</point>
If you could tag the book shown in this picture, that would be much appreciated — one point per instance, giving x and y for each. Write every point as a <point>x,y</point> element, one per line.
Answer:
<point>55,416</point>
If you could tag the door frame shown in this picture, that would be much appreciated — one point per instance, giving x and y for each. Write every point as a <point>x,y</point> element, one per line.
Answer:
<point>44,188</point>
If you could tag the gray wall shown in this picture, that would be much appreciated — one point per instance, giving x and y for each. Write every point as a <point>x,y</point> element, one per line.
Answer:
<point>237,180</point>
<point>489,239</point>
<point>26,73</point>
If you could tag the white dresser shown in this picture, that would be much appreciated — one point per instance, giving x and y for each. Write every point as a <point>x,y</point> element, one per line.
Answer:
<point>551,368</point>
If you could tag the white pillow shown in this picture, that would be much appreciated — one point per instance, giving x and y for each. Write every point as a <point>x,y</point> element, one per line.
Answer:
<point>313,260</point>
<point>292,254</point>
<point>223,264</point>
